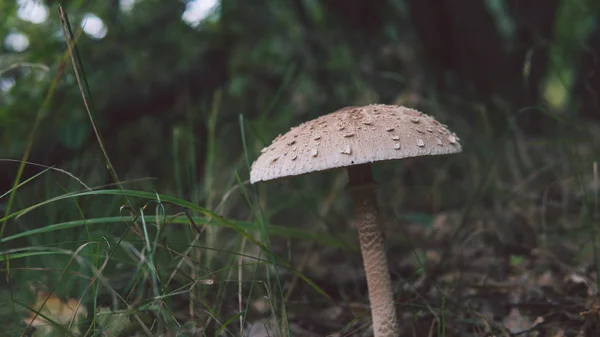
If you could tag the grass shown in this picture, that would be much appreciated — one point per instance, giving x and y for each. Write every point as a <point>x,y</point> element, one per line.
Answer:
<point>494,265</point>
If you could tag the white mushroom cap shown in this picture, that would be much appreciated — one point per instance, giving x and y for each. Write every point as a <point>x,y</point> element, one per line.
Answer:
<point>352,136</point>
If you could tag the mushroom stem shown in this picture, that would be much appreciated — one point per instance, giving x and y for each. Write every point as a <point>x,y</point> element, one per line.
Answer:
<point>383,310</point>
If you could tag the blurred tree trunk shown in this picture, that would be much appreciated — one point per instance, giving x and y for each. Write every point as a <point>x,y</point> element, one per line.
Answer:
<point>357,18</point>
<point>464,51</point>
<point>535,23</point>
<point>587,81</point>
<point>462,46</point>
<point>468,57</point>
<point>534,30</point>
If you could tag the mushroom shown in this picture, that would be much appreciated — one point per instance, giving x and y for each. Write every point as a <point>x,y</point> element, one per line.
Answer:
<point>355,137</point>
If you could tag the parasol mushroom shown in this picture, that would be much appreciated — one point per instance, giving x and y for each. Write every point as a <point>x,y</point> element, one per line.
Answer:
<point>355,137</point>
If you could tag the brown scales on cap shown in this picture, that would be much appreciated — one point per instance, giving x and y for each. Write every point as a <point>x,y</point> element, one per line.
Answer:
<point>353,138</point>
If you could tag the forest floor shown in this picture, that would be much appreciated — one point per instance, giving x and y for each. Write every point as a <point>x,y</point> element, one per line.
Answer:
<point>476,286</point>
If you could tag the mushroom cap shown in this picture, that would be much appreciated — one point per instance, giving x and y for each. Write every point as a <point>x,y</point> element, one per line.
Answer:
<point>353,136</point>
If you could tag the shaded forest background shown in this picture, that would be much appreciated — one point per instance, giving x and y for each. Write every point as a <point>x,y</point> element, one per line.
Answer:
<point>282,63</point>
<point>518,81</point>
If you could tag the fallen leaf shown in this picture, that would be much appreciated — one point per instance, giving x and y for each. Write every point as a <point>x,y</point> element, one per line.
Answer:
<point>53,310</point>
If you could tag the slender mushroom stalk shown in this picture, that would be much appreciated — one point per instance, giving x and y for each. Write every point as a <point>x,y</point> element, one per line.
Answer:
<point>363,189</point>
<point>355,137</point>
